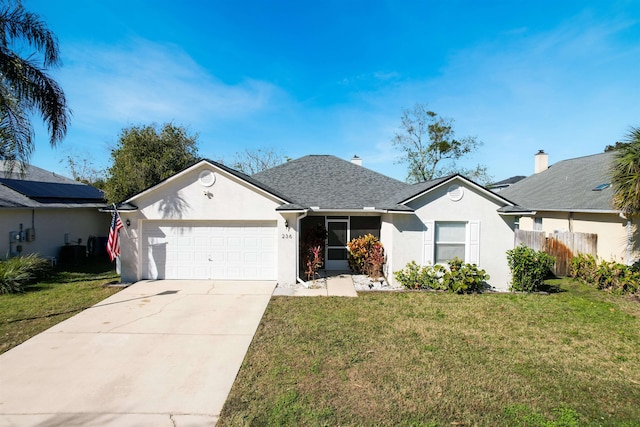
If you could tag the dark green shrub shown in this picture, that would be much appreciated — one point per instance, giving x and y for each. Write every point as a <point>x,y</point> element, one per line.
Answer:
<point>366,256</point>
<point>458,278</point>
<point>528,267</point>
<point>463,278</point>
<point>18,272</point>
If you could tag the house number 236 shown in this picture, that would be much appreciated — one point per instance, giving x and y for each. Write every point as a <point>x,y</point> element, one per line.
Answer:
<point>287,236</point>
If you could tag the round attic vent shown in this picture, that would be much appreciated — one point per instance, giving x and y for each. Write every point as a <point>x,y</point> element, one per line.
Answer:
<point>207,178</point>
<point>455,192</point>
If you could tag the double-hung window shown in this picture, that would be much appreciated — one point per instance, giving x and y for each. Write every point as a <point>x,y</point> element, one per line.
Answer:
<point>446,240</point>
<point>450,241</point>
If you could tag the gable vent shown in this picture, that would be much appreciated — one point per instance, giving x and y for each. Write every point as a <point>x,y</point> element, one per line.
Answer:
<point>207,178</point>
<point>455,192</point>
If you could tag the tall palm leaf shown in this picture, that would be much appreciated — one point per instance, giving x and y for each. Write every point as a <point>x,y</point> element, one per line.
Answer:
<point>626,174</point>
<point>25,87</point>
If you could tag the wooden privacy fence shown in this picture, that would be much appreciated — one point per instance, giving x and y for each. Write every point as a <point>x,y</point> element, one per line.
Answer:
<point>561,245</point>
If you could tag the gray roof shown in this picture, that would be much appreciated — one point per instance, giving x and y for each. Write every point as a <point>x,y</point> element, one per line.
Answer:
<point>331,183</point>
<point>567,186</point>
<point>418,188</point>
<point>507,182</point>
<point>37,188</point>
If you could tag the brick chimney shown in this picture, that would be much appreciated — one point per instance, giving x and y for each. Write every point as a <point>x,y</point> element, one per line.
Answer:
<point>541,161</point>
<point>356,161</point>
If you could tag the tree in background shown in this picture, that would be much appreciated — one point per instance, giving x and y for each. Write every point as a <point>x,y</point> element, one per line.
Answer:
<point>145,155</point>
<point>430,148</point>
<point>254,161</point>
<point>25,88</point>
<point>83,170</point>
<point>625,174</point>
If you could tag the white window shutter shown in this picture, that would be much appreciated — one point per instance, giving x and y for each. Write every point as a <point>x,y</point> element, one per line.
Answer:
<point>474,243</point>
<point>429,250</point>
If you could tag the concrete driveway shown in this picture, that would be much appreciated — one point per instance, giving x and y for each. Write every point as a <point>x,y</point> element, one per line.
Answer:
<point>158,353</point>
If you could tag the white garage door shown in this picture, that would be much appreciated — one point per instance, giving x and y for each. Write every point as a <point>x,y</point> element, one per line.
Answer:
<point>238,250</point>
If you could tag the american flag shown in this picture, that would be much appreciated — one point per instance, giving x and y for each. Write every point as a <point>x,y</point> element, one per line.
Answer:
<point>113,243</point>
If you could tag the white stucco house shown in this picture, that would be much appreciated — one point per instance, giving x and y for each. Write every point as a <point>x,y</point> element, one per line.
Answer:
<point>212,222</point>
<point>41,212</point>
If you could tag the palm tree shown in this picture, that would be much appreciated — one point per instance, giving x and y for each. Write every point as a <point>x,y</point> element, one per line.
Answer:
<point>25,88</point>
<point>626,174</point>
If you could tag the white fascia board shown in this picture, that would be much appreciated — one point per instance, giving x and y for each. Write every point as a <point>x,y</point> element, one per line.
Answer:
<point>594,211</point>
<point>296,211</point>
<point>523,213</point>
<point>316,209</point>
<point>472,184</point>
<point>197,165</point>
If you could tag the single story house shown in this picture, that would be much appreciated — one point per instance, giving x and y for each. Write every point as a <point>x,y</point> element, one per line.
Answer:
<point>40,212</point>
<point>210,221</point>
<point>576,195</point>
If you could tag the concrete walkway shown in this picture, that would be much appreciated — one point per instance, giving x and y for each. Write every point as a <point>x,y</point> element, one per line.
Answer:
<point>159,353</point>
<point>340,285</point>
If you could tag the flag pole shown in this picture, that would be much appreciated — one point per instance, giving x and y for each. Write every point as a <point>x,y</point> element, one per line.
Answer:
<point>124,228</point>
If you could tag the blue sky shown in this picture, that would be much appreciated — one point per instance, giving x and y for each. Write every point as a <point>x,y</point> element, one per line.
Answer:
<point>332,77</point>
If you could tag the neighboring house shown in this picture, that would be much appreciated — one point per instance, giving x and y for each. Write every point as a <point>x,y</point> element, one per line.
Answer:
<point>213,222</point>
<point>497,187</point>
<point>40,212</point>
<point>576,195</point>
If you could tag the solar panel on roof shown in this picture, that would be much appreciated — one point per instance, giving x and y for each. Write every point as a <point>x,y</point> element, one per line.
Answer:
<point>53,190</point>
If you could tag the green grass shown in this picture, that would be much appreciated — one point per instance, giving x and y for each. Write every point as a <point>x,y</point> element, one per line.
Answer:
<point>46,303</point>
<point>437,359</point>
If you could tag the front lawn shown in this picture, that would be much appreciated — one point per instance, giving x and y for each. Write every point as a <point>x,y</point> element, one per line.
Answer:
<point>437,359</point>
<point>46,303</point>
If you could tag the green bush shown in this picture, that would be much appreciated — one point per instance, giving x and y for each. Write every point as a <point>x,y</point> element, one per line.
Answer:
<point>458,278</point>
<point>528,267</point>
<point>608,275</point>
<point>18,272</point>
<point>414,276</point>
<point>463,278</point>
<point>366,256</point>
<point>584,267</point>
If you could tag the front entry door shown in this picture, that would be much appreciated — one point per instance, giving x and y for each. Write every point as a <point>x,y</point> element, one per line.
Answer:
<point>337,238</point>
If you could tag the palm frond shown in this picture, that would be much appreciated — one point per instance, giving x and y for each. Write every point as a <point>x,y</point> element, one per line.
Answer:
<point>626,174</point>
<point>17,23</point>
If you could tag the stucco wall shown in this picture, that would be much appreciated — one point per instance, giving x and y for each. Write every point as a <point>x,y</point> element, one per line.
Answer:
<point>50,227</point>
<point>610,228</point>
<point>406,232</point>
<point>184,197</point>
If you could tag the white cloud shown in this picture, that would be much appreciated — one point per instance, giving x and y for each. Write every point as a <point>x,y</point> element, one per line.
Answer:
<point>151,82</point>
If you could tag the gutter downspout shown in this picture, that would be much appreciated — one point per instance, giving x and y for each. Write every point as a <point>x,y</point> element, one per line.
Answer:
<point>298,279</point>
<point>629,236</point>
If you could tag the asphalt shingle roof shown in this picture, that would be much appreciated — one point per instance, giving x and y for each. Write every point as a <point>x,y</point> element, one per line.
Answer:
<point>567,186</point>
<point>331,183</point>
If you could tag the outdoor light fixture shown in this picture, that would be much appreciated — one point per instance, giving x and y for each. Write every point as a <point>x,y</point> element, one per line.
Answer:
<point>286,223</point>
<point>128,222</point>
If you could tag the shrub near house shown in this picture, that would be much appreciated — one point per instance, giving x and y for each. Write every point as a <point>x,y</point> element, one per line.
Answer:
<point>366,256</point>
<point>18,272</point>
<point>529,268</point>
<point>607,275</point>
<point>458,278</point>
